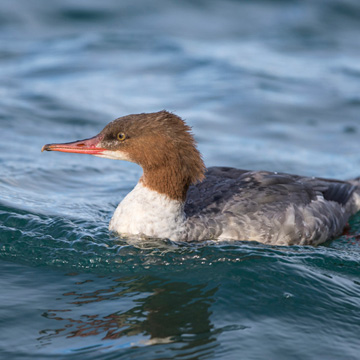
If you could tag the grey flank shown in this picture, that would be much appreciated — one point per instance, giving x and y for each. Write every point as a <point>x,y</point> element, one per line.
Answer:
<point>274,208</point>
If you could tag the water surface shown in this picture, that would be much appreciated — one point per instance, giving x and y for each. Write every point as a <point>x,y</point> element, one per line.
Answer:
<point>271,85</point>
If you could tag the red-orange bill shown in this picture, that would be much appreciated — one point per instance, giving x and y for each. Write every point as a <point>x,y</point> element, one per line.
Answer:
<point>86,146</point>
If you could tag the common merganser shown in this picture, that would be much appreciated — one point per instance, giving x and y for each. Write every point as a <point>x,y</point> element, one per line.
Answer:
<point>179,199</point>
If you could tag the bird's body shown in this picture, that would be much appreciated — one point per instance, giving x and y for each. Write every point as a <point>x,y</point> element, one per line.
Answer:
<point>177,198</point>
<point>269,207</point>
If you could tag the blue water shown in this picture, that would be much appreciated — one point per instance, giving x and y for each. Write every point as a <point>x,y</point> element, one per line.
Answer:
<point>272,85</point>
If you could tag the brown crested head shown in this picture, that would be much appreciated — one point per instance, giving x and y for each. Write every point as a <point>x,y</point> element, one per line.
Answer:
<point>160,142</point>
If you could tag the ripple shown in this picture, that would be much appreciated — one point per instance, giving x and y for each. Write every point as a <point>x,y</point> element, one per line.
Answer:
<point>39,240</point>
<point>265,84</point>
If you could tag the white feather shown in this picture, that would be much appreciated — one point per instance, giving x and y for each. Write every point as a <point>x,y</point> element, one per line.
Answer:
<point>147,212</point>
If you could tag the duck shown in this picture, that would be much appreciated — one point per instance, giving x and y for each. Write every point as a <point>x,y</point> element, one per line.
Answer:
<point>179,199</point>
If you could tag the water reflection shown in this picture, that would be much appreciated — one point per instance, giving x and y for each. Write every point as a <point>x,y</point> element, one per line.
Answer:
<point>148,310</point>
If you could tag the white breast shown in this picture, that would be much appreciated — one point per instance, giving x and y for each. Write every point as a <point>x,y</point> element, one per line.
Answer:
<point>147,212</point>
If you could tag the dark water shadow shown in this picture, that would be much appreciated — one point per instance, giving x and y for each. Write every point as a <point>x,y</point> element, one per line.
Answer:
<point>141,312</point>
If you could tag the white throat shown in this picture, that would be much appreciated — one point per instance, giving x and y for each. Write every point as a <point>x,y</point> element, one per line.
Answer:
<point>147,212</point>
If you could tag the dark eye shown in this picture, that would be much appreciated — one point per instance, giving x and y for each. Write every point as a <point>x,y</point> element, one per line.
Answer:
<point>121,136</point>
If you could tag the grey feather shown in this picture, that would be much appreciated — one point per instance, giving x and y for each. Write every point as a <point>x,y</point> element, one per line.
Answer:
<point>272,208</point>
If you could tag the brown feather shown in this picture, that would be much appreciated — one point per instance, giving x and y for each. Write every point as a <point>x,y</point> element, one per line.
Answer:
<point>163,145</point>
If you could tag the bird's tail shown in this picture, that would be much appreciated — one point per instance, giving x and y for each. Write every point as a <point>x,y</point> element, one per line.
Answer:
<point>355,182</point>
<point>356,194</point>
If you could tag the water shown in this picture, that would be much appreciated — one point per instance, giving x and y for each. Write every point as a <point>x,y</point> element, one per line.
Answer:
<point>270,85</point>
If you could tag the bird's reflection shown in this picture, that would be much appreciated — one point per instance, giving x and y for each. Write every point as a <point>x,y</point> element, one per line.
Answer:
<point>160,310</point>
